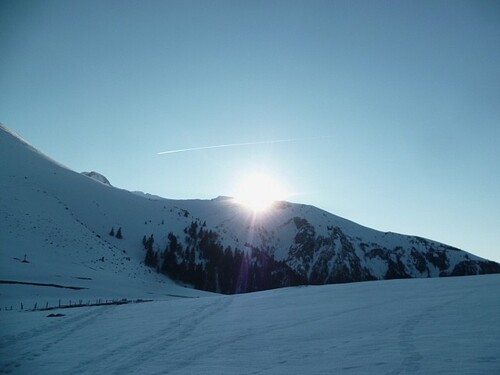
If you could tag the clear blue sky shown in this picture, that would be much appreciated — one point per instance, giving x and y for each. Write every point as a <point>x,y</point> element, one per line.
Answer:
<point>397,102</point>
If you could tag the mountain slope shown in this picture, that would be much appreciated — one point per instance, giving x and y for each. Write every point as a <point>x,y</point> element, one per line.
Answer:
<point>61,221</point>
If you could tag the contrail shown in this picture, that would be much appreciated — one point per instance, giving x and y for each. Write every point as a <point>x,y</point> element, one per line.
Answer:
<point>235,145</point>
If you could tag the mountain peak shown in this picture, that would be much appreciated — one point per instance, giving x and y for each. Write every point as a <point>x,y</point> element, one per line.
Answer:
<point>98,177</point>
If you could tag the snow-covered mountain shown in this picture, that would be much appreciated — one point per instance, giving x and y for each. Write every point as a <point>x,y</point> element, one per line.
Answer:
<point>66,226</point>
<point>57,252</point>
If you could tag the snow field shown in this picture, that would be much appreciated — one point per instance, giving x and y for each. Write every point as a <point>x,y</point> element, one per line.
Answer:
<point>422,326</point>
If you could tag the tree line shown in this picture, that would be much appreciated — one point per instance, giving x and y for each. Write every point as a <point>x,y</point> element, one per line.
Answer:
<point>200,260</point>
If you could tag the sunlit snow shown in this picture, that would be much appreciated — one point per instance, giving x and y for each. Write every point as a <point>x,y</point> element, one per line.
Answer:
<point>423,326</point>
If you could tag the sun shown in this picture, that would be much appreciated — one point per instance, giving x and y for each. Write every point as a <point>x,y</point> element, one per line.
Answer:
<point>259,191</point>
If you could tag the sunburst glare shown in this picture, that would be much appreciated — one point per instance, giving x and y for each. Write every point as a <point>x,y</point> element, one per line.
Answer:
<point>259,191</point>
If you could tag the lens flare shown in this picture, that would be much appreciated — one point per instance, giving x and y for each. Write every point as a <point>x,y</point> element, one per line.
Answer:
<point>258,192</point>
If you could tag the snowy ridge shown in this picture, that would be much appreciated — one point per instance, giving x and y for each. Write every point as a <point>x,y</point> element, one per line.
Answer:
<point>29,146</point>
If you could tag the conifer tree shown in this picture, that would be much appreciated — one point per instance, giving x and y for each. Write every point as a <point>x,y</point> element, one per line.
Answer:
<point>119,233</point>
<point>148,244</point>
<point>112,232</point>
<point>151,259</point>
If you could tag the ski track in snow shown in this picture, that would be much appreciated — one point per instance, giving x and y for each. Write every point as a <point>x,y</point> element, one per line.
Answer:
<point>163,339</point>
<point>186,331</point>
<point>41,340</point>
<point>411,358</point>
<point>119,359</point>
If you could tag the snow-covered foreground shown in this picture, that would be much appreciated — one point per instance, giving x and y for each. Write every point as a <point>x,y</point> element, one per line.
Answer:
<point>426,326</point>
